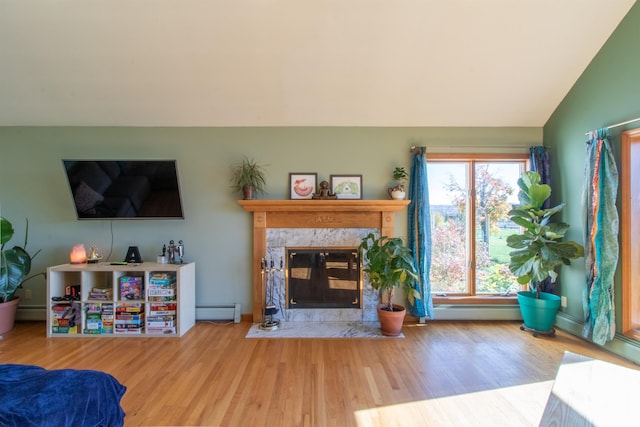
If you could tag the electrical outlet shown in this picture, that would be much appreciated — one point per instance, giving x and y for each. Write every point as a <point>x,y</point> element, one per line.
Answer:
<point>27,294</point>
<point>563,301</point>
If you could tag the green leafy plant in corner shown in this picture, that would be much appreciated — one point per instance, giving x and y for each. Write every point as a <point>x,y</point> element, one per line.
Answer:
<point>15,263</point>
<point>248,173</point>
<point>539,251</point>
<point>389,265</point>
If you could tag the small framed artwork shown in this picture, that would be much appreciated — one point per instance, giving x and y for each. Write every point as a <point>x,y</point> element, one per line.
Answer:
<point>302,185</point>
<point>347,186</point>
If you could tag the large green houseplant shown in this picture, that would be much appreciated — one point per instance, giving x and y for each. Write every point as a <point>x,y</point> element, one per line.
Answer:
<point>15,265</point>
<point>389,264</point>
<point>539,251</point>
<point>248,176</point>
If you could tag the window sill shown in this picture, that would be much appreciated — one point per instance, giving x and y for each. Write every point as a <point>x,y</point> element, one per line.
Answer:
<point>476,300</point>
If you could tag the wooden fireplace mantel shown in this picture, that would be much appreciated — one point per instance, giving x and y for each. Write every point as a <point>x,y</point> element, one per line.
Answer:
<point>312,214</point>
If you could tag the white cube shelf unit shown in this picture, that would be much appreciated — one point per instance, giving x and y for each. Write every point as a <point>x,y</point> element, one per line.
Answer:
<point>133,300</point>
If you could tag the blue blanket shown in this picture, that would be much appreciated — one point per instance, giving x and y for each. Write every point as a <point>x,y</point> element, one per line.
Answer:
<point>34,396</point>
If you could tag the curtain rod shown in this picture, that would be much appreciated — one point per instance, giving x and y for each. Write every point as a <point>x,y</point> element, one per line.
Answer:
<point>617,124</point>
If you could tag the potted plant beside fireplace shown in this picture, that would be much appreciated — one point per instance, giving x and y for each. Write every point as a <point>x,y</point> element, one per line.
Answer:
<point>389,265</point>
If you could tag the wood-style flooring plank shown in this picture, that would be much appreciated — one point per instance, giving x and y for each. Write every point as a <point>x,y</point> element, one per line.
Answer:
<point>440,374</point>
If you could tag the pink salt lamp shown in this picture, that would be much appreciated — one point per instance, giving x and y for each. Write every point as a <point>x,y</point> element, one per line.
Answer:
<point>78,254</point>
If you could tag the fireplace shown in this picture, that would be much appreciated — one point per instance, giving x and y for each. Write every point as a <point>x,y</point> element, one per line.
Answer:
<point>282,224</point>
<point>323,278</point>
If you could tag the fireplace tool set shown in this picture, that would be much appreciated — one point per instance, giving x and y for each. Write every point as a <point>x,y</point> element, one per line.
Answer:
<point>268,282</point>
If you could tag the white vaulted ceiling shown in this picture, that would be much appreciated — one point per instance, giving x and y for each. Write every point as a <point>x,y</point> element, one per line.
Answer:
<point>295,62</point>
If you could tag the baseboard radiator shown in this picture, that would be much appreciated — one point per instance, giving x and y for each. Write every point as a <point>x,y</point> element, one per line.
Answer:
<point>476,312</point>
<point>229,312</point>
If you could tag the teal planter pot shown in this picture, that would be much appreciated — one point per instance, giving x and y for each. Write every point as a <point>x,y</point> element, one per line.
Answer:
<point>538,314</point>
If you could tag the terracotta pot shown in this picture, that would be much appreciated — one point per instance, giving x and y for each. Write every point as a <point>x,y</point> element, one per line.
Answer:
<point>391,321</point>
<point>8,314</point>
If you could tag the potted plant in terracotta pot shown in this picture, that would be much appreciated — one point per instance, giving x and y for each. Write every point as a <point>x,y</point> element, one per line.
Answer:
<point>397,191</point>
<point>389,265</point>
<point>249,177</point>
<point>15,265</point>
<point>538,253</point>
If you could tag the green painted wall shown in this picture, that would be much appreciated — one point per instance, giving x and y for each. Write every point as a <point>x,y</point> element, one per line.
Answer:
<point>608,92</point>
<point>216,231</point>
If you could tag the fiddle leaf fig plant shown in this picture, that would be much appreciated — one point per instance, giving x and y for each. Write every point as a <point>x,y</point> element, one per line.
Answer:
<point>539,251</point>
<point>15,263</point>
<point>389,264</point>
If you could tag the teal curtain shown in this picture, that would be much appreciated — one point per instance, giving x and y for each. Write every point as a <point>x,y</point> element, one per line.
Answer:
<point>601,237</point>
<point>419,231</point>
<point>539,160</point>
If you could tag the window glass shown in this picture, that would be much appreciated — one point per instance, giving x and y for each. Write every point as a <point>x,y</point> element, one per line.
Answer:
<point>470,200</point>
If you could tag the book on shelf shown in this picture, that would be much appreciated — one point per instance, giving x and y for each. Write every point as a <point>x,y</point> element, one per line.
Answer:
<point>163,306</point>
<point>129,316</point>
<point>162,313</point>
<point>162,299</point>
<point>130,307</point>
<point>119,330</point>
<point>131,288</point>
<point>161,330</point>
<point>162,278</point>
<point>161,318</point>
<point>66,318</point>
<point>161,292</point>
<point>128,323</point>
<point>65,329</point>
<point>102,294</point>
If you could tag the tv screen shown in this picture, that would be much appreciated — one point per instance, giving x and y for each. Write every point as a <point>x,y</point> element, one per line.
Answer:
<point>124,189</point>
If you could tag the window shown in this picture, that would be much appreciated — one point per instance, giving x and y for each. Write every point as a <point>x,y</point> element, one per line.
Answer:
<point>470,198</point>
<point>629,232</point>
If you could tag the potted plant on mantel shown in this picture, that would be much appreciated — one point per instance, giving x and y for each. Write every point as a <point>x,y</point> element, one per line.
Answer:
<point>249,177</point>
<point>15,265</point>
<point>389,264</point>
<point>538,252</point>
<point>400,176</point>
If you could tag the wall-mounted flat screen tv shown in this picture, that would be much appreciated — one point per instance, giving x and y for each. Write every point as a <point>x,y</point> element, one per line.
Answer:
<point>124,189</point>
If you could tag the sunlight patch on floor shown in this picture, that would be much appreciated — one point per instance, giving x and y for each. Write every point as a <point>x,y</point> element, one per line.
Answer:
<point>510,406</point>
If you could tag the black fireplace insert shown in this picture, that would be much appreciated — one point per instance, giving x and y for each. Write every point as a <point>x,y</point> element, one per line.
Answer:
<point>323,278</point>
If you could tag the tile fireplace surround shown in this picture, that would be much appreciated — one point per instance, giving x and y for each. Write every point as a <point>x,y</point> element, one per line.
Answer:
<point>278,224</point>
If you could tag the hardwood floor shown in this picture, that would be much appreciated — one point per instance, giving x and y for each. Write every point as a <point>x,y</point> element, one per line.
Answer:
<point>441,374</point>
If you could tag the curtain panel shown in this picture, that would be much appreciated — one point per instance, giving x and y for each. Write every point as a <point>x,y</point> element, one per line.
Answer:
<point>600,220</point>
<point>419,231</point>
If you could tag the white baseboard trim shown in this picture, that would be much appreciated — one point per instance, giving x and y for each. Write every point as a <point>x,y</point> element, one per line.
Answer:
<point>219,312</point>
<point>31,313</point>
<point>620,345</point>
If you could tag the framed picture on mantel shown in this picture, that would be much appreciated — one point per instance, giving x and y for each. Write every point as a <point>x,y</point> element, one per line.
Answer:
<point>302,185</point>
<point>347,186</point>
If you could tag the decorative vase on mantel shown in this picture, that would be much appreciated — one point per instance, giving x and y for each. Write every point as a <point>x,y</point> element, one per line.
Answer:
<point>397,192</point>
<point>247,192</point>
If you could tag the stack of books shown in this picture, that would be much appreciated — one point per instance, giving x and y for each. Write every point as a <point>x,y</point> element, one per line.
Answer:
<point>129,318</point>
<point>66,318</point>
<point>99,318</point>
<point>162,303</point>
<point>101,294</point>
